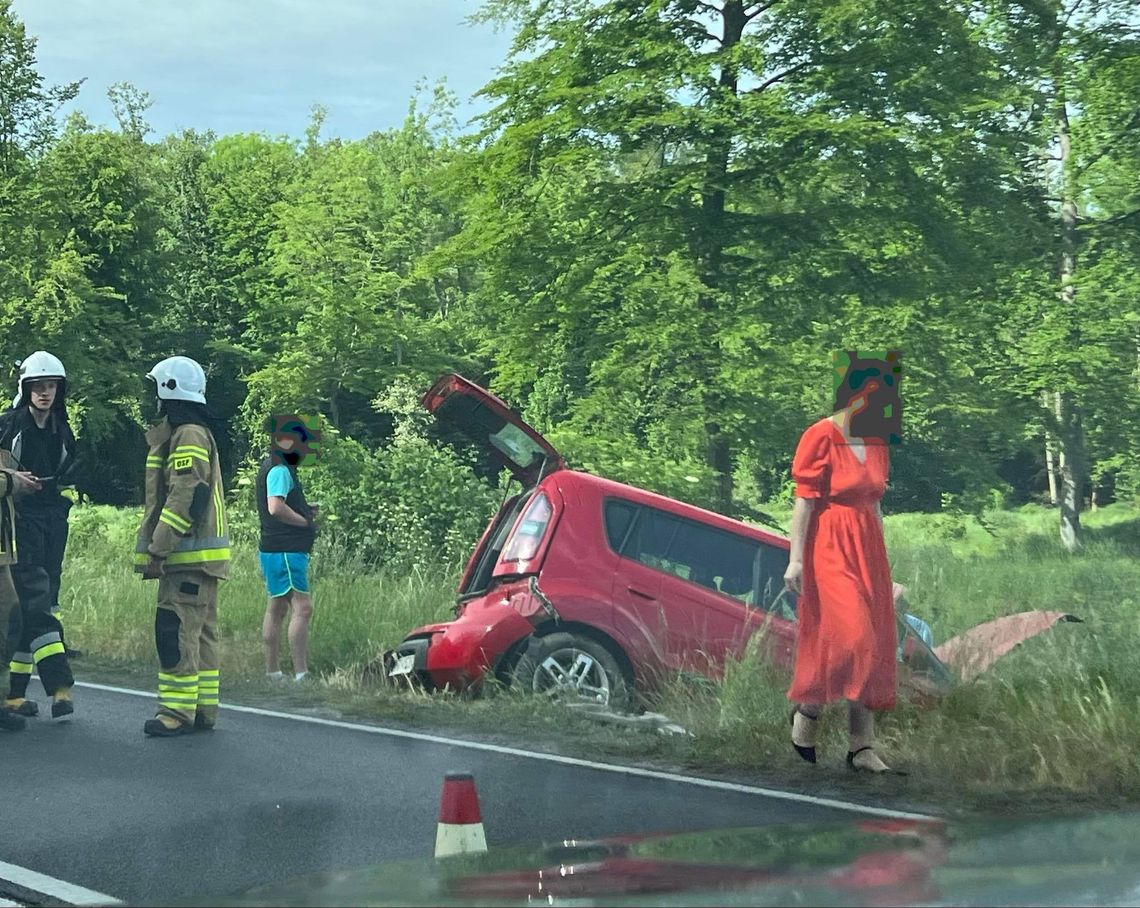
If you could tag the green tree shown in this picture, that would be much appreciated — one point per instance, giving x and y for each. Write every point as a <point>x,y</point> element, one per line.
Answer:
<point>102,287</point>
<point>221,211</point>
<point>27,105</point>
<point>27,128</point>
<point>1073,328</point>
<point>681,208</point>
<point>349,310</point>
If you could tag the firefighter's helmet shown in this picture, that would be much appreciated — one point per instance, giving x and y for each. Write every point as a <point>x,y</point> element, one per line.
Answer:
<point>179,378</point>
<point>40,366</point>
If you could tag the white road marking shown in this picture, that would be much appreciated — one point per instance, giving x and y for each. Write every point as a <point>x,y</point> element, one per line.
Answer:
<point>773,793</point>
<point>50,886</point>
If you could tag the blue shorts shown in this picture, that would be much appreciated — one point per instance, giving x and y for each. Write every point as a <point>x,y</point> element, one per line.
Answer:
<point>285,571</point>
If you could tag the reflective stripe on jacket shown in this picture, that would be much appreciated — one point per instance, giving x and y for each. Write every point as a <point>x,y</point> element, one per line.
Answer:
<point>185,520</point>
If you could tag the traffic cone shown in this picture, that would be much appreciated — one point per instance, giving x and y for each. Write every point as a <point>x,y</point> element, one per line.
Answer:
<point>460,829</point>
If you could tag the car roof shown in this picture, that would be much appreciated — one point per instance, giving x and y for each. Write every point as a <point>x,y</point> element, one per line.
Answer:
<point>571,478</point>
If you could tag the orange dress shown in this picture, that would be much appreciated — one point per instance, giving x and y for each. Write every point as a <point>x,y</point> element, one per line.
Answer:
<point>846,635</point>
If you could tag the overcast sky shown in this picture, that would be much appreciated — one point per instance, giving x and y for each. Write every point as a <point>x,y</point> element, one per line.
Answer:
<point>260,65</point>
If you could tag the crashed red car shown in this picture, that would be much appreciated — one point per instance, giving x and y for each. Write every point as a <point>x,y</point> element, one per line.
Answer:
<point>586,587</point>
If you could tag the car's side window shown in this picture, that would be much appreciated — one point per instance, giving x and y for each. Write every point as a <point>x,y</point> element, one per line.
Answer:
<point>736,566</point>
<point>771,563</point>
<point>715,559</point>
<point>648,540</point>
<point>618,517</point>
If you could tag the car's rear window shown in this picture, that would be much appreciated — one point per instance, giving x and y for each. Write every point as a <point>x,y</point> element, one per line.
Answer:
<point>737,566</point>
<point>516,444</point>
<point>480,423</point>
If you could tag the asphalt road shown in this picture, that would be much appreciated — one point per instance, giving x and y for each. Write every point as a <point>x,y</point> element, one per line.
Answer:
<point>261,799</point>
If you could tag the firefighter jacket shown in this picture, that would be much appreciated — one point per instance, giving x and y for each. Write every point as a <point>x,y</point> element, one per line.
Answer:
<point>185,521</point>
<point>57,458</point>
<point>7,512</point>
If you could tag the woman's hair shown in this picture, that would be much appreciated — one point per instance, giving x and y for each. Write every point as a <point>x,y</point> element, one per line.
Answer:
<point>182,412</point>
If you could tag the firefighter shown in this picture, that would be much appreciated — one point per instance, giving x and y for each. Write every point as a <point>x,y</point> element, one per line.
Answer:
<point>12,483</point>
<point>36,433</point>
<point>183,543</point>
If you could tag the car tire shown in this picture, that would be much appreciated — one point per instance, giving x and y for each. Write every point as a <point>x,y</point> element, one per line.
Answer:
<point>572,667</point>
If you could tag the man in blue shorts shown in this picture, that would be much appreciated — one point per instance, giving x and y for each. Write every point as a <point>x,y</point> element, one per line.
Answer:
<point>288,528</point>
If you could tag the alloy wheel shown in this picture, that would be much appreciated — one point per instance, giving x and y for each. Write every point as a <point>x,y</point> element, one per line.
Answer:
<point>572,674</point>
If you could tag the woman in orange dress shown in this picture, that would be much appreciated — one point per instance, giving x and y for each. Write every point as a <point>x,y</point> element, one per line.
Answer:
<point>846,635</point>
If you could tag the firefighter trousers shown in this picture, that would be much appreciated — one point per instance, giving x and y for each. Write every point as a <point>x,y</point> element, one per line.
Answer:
<point>35,634</point>
<point>186,637</point>
<point>9,602</point>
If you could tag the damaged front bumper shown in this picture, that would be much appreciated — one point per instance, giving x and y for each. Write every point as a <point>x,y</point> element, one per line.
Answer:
<point>455,655</point>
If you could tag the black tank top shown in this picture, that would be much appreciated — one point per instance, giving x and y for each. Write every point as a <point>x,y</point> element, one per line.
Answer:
<point>276,535</point>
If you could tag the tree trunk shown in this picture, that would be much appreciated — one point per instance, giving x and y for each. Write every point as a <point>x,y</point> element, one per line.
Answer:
<point>1050,468</point>
<point>440,296</point>
<point>720,459</point>
<point>1068,413</point>
<point>1072,473</point>
<point>1060,417</point>
<point>711,248</point>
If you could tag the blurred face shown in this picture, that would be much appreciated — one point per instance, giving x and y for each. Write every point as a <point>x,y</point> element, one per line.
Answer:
<point>286,442</point>
<point>294,439</point>
<point>874,407</point>
<point>43,393</point>
<point>289,446</point>
<point>859,401</point>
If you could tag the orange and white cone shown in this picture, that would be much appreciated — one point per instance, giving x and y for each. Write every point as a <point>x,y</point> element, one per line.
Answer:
<point>460,829</point>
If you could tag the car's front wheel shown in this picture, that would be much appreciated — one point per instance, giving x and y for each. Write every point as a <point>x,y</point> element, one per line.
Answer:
<point>572,667</point>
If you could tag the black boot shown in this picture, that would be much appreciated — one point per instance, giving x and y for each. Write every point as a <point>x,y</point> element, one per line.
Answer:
<point>23,707</point>
<point>156,728</point>
<point>10,721</point>
<point>61,709</point>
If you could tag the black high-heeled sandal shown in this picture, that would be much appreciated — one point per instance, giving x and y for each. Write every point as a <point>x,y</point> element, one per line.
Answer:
<point>851,754</point>
<point>807,753</point>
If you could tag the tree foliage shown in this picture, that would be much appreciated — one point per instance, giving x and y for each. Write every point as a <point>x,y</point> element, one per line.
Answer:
<point>671,214</point>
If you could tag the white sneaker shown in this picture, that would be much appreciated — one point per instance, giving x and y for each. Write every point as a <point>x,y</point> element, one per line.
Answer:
<point>300,676</point>
<point>275,676</point>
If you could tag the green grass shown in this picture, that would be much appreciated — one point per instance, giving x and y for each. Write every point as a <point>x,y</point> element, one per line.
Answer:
<point>357,613</point>
<point>108,612</point>
<point>1059,717</point>
<point>1057,722</point>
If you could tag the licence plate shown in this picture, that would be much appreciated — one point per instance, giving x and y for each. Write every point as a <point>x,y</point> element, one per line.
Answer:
<point>404,665</point>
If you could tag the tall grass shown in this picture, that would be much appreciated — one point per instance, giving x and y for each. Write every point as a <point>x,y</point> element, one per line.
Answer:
<point>1059,714</point>
<point>358,610</point>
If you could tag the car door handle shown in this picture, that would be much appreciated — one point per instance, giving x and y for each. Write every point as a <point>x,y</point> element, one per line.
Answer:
<point>638,592</point>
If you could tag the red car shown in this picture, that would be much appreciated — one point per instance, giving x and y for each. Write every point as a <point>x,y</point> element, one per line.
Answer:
<point>599,590</point>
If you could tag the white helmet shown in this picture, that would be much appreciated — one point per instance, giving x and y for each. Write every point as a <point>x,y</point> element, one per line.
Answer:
<point>40,366</point>
<point>179,378</point>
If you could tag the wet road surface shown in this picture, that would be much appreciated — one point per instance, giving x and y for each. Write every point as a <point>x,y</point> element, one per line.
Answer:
<point>263,798</point>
